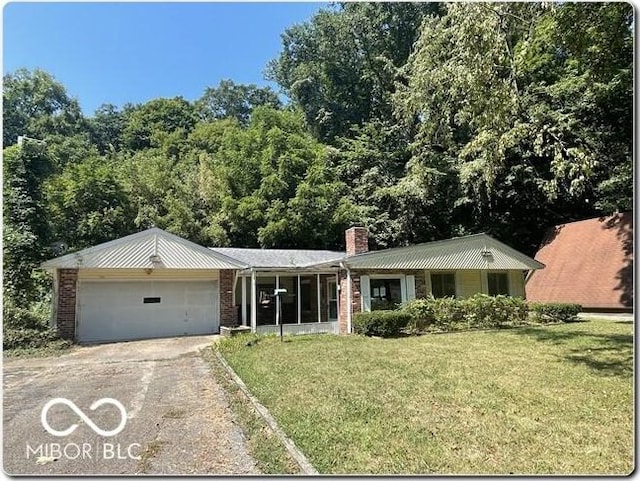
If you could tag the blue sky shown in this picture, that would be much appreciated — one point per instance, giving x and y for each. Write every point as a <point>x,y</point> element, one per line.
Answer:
<point>134,52</point>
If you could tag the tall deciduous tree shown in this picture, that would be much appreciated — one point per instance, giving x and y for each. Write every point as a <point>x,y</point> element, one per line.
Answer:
<point>87,205</point>
<point>504,89</point>
<point>340,66</point>
<point>36,105</point>
<point>151,124</point>
<point>26,234</point>
<point>231,100</point>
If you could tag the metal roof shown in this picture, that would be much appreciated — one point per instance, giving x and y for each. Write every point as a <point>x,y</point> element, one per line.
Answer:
<point>478,251</point>
<point>137,251</point>
<point>280,258</point>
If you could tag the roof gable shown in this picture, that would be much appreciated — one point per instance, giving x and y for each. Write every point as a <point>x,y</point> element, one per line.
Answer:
<point>590,262</point>
<point>138,251</point>
<point>479,251</point>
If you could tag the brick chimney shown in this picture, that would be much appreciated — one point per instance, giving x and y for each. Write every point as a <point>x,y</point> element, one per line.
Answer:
<point>357,240</point>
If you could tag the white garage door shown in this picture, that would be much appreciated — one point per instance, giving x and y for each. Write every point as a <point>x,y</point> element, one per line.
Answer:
<point>123,310</point>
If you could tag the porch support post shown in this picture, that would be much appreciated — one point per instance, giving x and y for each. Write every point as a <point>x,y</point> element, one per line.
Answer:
<point>254,306</point>
<point>243,279</point>
<point>318,289</point>
<point>299,301</point>
<point>278,320</point>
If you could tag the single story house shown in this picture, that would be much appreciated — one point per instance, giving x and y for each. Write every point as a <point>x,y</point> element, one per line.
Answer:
<point>156,284</point>
<point>590,262</point>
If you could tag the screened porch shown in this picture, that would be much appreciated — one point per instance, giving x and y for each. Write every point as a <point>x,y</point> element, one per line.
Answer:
<point>309,305</point>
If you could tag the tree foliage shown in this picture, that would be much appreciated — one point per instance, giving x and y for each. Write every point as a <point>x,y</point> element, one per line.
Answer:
<point>231,100</point>
<point>421,121</point>
<point>340,67</point>
<point>36,105</point>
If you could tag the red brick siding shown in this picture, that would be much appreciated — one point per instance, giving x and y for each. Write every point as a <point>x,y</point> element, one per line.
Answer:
<point>228,311</point>
<point>343,301</point>
<point>66,309</point>
<point>357,240</point>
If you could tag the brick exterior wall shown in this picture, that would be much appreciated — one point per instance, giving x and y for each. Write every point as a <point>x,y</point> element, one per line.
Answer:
<point>228,311</point>
<point>357,240</point>
<point>343,308</point>
<point>66,308</point>
<point>421,292</point>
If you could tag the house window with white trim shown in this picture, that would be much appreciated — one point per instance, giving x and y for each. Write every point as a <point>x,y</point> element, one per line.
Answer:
<point>443,284</point>
<point>385,293</point>
<point>498,283</point>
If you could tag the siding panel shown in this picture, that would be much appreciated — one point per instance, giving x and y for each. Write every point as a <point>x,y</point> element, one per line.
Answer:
<point>141,274</point>
<point>470,283</point>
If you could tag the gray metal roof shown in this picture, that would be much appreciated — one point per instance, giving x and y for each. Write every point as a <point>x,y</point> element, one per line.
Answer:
<point>136,251</point>
<point>280,258</point>
<point>479,251</point>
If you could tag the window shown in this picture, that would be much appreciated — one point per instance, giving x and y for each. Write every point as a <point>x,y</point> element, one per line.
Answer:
<point>443,284</point>
<point>150,300</point>
<point>498,283</point>
<point>385,293</point>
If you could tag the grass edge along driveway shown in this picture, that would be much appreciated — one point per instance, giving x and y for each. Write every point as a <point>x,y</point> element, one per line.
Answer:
<point>552,399</point>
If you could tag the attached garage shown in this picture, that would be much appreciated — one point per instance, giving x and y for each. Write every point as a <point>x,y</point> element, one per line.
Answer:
<point>146,309</point>
<point>147,285</point>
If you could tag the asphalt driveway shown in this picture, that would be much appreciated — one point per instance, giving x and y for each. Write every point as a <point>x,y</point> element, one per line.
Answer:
<point>176,418</point>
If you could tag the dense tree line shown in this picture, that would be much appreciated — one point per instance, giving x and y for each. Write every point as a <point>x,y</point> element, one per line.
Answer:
<point>421,121</point>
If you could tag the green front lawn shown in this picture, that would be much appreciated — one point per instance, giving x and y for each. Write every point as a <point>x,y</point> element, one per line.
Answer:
<point>554,399</point>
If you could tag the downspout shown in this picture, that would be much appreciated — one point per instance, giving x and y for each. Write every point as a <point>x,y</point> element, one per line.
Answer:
<point>349,306</point>
<point>235,283</point>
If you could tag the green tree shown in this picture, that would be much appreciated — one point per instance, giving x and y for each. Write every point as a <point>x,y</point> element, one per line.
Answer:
<point>36,105</point>
<point>26,234</point>
<point>87,205</point>
<point>340,67</point>
<point>231,100</point>
<point>510,92</point>
<point>106,127</point>
<point>269,183</point>
<point>158,121</point>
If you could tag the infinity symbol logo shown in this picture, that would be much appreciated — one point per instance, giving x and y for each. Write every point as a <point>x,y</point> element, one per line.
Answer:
<point>83,416</point>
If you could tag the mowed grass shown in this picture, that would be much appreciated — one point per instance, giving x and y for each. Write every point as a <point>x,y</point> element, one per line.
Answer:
<point>552,399</point>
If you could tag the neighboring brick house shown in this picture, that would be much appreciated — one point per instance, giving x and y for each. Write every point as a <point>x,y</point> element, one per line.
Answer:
<point>589,262</point>
<point>156,284</point>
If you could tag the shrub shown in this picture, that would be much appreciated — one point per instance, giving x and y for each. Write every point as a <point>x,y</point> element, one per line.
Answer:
<point>28,329</point>
<point>380,323</point>
<point>479,311</point>
<point>25,338</point>
<point>449,314</point>
<point>422,312</point>
<point>545,312</point>
<point>483,311</point>
<point>19,318</point>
